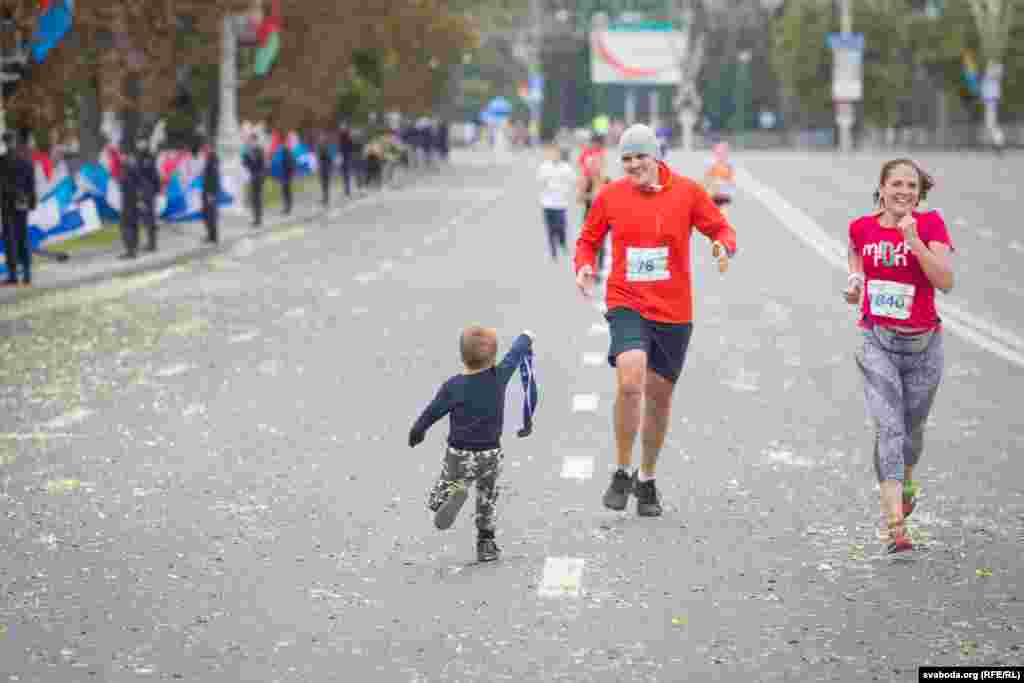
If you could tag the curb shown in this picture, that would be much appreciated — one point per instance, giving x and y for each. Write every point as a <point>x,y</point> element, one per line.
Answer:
<point>168,260</point>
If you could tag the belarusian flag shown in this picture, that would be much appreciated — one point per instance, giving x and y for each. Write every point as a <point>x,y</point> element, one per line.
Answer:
<point>269,37</point>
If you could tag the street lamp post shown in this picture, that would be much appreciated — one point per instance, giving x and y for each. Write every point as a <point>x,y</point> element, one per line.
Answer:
<point>845,113</point>
<point>8,27</point>
<point>229,134</point>
<point>743,87</point>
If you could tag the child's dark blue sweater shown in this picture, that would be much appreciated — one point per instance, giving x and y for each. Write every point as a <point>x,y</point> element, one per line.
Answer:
<point>475,402</point>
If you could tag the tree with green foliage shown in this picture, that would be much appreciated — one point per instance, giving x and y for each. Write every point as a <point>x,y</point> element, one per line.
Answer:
<point>800,57</point>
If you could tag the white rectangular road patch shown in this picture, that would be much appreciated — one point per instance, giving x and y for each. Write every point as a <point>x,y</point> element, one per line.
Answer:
<point>593,358</point>
<point>562,577</point>
<point>598,328</point>
<point>69,418</point>
<point>577,467</point>
<point>584,403</point>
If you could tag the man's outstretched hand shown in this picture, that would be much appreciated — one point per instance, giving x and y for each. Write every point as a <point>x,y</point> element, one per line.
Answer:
<point>721,254</point>
<point>585,281</point>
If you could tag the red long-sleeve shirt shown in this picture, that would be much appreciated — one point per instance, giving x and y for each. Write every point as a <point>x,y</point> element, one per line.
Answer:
<point>651,243</point>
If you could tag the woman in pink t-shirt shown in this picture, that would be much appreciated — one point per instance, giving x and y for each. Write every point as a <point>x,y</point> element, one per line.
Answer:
<point>898,257</point>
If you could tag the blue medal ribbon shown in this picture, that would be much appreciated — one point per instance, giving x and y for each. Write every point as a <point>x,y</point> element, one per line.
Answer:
<point>530,395</point>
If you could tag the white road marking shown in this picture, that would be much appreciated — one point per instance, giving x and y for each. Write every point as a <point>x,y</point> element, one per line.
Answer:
<point>243,337</point>
<point>363,278</point>
<point>386,266</point>
<point>562,576</point>
<point>57,486</point>
<point>593,358</point>
<point>598,328</point>
<point>744,381</point>
<point>984,334</point>
<point>787,458</point>
<point>577,467</point>
<point>72,417</point>
<point>224,263</point>
<point>584,403</point>
<point>173,370</point>
<point>30,436</point>
<point>285,235</point>
<point>187,327</point>
<point>193,409</point>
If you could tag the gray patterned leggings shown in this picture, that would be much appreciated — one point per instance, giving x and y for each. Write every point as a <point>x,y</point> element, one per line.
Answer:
<point>484,467</point>
<point>901,376</point>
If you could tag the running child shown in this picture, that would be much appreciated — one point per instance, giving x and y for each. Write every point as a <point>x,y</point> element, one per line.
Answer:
<point>475,403</point>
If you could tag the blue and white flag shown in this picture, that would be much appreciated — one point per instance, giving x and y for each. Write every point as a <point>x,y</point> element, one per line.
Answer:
<point>304,158</point>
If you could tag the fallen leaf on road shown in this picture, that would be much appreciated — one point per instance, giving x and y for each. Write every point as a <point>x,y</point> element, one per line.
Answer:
<point>984,571</point>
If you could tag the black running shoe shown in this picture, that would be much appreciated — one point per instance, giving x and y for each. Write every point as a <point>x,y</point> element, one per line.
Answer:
<point>617,495</point>
<point>487,550</point>
<point>648,500</point>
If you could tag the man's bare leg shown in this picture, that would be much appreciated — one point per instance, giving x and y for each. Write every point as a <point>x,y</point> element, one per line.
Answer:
<point>631,368</point>
<point>657,410</point>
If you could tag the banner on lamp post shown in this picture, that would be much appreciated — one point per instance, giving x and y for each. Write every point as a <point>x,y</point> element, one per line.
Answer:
<point>847,66</point>
<point>991,84</point>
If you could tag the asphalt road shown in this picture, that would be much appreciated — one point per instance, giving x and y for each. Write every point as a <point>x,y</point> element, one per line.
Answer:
<point>204,473</point>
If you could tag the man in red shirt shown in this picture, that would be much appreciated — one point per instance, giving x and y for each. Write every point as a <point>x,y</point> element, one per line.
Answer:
<point>649,299</point>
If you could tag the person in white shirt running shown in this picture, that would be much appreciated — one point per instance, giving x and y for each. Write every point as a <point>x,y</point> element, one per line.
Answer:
<point>558,182</point>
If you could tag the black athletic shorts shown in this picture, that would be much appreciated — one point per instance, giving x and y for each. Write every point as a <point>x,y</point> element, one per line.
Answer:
<point>665,343</point>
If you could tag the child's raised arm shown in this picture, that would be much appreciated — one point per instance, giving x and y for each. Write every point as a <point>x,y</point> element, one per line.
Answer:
<point>522,345</point>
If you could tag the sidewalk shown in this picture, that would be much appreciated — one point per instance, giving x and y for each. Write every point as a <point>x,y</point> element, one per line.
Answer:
<point>179,242</point>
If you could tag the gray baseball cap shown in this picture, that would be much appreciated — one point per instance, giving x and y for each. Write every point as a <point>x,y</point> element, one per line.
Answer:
<point>638,139</point>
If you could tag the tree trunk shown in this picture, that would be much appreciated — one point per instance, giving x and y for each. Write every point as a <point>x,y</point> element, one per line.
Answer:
<point>90,138</point>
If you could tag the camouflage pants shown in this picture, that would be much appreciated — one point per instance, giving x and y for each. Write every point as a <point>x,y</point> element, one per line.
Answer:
<point>483,467</point>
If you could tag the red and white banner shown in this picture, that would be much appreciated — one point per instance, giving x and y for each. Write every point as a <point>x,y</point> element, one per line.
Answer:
<point>635,57</point>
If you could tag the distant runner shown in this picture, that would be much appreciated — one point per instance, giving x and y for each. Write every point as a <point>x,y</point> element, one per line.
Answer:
<point>720,176</point>
<point>558,179</point>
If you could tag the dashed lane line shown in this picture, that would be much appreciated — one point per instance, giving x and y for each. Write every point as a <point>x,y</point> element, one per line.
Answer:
<point>562,577</point>
<point>585,403</point>
<point>577,467</point>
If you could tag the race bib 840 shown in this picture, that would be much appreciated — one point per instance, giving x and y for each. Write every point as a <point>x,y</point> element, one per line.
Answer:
<point>890,299</point>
